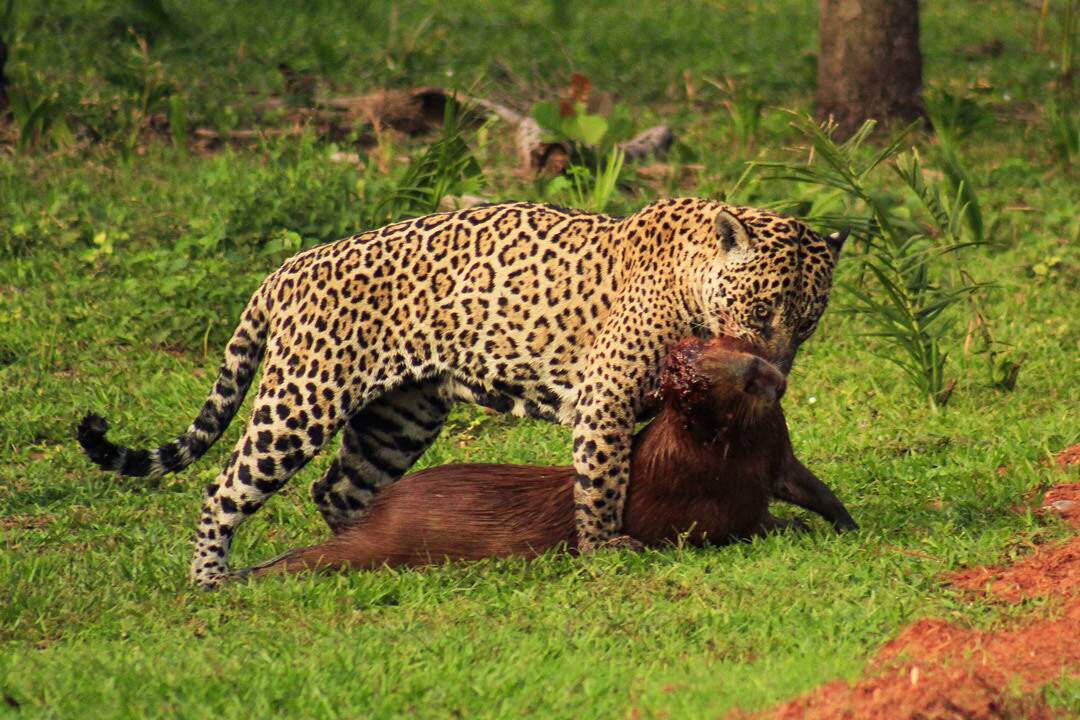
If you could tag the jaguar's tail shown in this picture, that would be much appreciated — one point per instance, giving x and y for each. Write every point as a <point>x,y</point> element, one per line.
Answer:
<point>242,357</point>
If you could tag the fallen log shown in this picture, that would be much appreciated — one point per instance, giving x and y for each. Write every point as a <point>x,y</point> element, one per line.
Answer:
<point>421,110</point>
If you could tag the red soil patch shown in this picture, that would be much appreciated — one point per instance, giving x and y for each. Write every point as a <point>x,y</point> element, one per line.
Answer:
<point>1068,457</point>
<point>937,670</point>
<point>1051,570</point>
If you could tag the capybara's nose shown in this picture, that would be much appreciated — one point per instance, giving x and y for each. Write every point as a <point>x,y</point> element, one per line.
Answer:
<point>765,380</point>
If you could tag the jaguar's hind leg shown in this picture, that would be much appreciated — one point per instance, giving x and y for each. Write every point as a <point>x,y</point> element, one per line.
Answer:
<point>380,442</point>
<point>284,433</point>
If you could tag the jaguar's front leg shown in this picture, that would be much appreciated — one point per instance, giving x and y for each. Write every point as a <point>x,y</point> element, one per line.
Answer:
<point>603,432</point>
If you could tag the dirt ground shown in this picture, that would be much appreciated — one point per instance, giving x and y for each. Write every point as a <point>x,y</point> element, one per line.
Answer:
<point>935,669</point>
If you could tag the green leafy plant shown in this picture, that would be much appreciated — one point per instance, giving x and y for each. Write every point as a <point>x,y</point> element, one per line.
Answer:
<point>904,292</point>
<point>588,136</point>
<point>576,125</point>
<point>836,169</point>
<point>912,314</point>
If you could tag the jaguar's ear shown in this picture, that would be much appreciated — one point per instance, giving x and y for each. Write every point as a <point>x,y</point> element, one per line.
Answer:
<point>731,232</point>
<point>836,240</point>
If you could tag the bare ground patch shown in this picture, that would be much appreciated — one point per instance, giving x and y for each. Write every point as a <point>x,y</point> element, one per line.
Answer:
<point>935,669</point>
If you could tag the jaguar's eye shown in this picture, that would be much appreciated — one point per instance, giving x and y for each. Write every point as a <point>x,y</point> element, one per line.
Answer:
<point>762,312</point>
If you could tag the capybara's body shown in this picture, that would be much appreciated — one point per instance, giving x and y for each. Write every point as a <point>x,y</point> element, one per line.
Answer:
<point>704,470</point>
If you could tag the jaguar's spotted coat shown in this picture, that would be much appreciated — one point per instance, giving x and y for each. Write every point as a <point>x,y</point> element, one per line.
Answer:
<point>525,308</point>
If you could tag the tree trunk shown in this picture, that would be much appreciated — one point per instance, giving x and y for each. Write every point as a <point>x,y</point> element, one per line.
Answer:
<point>870,65</point>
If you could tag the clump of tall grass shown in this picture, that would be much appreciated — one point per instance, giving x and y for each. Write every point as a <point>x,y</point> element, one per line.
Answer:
<point>1068,18</point>
<point>743,105</point>
<point>447,167</point>
<point>40,114</point>
<point>955,118</point>
<point>1064,124</point>
<point>589,188</point>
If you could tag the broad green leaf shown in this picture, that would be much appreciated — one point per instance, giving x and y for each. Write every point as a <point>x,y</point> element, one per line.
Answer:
<point>591,129</point>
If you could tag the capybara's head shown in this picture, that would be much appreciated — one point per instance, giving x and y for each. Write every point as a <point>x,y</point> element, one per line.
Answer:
<point>723,380</point>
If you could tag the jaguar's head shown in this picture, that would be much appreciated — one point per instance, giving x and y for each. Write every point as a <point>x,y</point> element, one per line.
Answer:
<point>766,280</point>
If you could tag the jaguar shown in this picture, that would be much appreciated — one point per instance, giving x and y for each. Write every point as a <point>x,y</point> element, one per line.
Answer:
<point>525,308</point>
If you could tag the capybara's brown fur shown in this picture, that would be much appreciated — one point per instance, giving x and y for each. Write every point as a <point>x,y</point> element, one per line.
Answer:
<point>703,470</point>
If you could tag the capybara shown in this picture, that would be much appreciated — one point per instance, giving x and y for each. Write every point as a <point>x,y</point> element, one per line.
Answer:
<point>704,469</point>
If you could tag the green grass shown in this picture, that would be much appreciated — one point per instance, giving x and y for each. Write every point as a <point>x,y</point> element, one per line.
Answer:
<point>120,281</point>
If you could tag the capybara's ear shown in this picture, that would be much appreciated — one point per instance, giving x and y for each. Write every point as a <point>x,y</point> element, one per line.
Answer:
<point>681,382</point>
<point>762,379</point>
<point>681,358</point>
